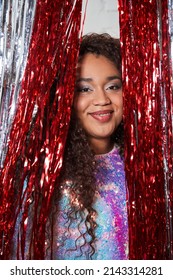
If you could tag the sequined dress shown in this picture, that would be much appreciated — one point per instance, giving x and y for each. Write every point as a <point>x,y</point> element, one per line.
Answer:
<point>71,241</point>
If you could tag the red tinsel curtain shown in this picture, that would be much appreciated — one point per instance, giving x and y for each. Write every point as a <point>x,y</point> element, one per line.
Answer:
<point>40,46</point>
<point>145,28</point>
<point>38,124</point>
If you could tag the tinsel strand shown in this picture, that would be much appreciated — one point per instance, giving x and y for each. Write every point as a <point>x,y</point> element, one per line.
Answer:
<point>38,134</point>
<point>144,78</point>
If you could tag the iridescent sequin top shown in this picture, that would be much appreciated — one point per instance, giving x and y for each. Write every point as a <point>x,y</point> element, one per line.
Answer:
<point>71,240</point>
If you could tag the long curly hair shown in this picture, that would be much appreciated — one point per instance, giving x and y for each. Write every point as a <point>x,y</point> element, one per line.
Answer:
<point>79,163</point>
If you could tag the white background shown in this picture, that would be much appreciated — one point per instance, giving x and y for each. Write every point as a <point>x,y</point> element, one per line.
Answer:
<point>101,16</point>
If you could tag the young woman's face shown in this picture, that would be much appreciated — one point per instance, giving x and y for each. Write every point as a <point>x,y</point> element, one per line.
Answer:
<point>98,97</point>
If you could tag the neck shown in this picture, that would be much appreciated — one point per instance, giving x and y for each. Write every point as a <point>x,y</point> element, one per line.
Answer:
<point>101,146</point>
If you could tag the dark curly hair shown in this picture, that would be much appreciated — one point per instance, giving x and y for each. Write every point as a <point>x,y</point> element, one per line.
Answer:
<point>79,164</point>
<point>102,44</point>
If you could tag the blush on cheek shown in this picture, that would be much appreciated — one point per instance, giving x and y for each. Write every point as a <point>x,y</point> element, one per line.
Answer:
<point>79,105</point>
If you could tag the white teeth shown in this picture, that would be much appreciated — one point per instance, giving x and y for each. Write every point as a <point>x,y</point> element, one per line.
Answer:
<point>102,115</point>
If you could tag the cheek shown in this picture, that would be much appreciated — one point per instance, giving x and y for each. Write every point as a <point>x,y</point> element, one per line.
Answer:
<point>80,105</point>
<point>77,106</point>
<point>121,104</point>
<point>117,101</point>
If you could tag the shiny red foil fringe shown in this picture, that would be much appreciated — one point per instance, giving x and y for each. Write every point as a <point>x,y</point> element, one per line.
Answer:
<point>148,109</point>
<point>37,139</point>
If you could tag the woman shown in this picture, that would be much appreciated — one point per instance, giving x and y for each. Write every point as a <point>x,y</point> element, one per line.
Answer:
<point>90,215</point>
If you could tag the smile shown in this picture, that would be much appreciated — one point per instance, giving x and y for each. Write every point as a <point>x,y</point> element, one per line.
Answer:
<point>102,116</point>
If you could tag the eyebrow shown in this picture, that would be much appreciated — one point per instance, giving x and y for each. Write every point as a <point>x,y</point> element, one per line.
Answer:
<point>84,80</point>
<point>109,78</point>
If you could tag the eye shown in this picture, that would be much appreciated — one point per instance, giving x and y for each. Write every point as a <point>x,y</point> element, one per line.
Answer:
<point>116,86</point>
<point>83,89</point>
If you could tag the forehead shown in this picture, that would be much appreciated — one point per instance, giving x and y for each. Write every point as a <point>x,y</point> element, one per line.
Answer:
<point>92,64</point>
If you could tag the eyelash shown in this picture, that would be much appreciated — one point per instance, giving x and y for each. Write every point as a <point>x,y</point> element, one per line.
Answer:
<point>83,89</point>
<point>115,87</point>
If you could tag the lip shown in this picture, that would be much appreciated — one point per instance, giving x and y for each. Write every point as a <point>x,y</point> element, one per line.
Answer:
<point>102,116</point>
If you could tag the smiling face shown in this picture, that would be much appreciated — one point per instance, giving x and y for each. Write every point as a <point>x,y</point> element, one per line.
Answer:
<point>98,100</point>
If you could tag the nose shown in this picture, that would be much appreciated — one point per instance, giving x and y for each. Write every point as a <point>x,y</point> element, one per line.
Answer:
<point>101,98</point>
